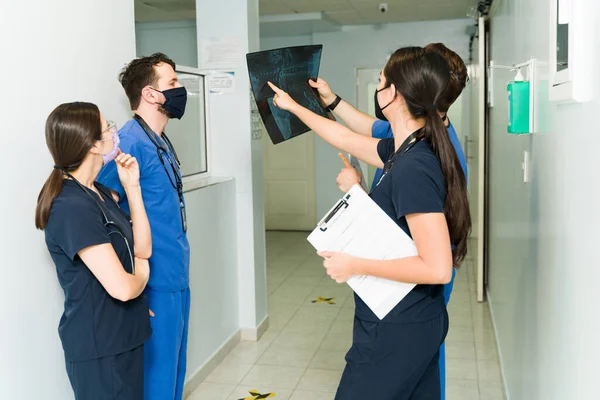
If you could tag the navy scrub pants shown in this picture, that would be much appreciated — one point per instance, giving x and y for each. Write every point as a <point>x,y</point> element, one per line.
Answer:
<point>390,361</point>
<point>119,377</point>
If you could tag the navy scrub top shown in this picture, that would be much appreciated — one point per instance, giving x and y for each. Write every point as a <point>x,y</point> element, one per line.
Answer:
<point>170,261</point>
<point>383,130</point>
<point>414,184</point>
<point>94,324</point>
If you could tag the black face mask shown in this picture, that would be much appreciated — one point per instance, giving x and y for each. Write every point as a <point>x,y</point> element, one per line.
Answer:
<point>175,101</point>
<point>378,109</point>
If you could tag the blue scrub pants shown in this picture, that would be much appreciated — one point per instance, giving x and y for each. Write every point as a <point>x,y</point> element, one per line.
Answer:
<point>447,291</point>
<point>165,351</point>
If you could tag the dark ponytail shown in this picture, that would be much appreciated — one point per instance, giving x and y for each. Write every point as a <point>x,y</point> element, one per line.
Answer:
<point>422,77</point>
<point>71,131</point>
<point>49,192</point>
<point>456,204</point>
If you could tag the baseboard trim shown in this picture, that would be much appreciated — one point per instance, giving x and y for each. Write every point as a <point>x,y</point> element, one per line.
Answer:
<point>204,371</point>
<point>500,358</point>
<point>254,334</point>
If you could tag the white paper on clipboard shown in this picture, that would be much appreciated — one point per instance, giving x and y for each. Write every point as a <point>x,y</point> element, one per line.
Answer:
<point>356,225</point>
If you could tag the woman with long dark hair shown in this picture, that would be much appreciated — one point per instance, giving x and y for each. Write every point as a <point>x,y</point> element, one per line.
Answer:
<point>423,189</point>
<point>101,255</point>
<point>380,128</point>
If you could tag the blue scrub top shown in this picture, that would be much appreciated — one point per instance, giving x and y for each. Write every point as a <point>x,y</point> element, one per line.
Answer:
<point>415,184</point>
<point>169,264</point>
<point>383,130</point>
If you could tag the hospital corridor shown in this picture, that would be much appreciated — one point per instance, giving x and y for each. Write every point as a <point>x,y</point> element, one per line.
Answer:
<point>301,355</point>
<point>300,199</point>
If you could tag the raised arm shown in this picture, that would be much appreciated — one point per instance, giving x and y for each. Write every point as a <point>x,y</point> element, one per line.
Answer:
<point>129,175</point>
<point>362,147</point>
<point>356,120</point>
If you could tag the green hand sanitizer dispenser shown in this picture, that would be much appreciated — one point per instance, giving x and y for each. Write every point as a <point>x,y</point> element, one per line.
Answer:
<point>518,105</point>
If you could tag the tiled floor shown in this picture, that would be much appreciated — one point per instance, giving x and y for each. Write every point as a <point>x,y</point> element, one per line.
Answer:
<point>301,356</point>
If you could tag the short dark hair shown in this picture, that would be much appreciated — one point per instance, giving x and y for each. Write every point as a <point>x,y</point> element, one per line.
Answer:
<point>140,73</point>
<point>458,74</point>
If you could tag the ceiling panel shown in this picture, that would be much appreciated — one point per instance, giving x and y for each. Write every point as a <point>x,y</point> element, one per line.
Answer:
<point>272,7</point>
<point>450,10</point>
<point>350,17</point>
<point>317,6</point>
<point>345,12</point>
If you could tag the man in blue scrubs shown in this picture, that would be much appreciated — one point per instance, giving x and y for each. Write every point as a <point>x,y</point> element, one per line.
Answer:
<point>155,96</point>
<point>380,128</point>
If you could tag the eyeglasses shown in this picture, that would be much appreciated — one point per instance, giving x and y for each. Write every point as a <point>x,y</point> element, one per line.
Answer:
<point>112,128</point>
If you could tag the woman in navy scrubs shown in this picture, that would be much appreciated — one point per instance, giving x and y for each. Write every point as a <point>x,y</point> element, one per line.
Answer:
<point>424,190</point>
<point>380,128</point>
<point>101,255</point>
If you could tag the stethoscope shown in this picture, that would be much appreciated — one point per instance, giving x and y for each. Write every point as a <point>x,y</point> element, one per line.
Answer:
<point>175,167</point>
<point>107,222</point>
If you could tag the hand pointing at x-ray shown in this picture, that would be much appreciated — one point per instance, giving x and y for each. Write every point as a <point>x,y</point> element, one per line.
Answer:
<point>282,99</point>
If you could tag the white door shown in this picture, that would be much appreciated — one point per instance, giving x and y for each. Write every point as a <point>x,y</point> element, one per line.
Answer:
<point>367,80</point>
<point>290,183</point>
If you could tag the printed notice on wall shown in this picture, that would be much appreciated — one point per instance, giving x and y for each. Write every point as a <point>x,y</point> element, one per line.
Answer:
<point>221,53</point>
<point>222,82</point>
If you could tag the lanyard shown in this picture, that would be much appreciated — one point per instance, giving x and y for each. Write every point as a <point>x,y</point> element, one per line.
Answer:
<point>178,184</point>
<point>408,143</point>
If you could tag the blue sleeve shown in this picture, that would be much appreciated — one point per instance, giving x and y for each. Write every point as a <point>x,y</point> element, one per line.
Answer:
<point>418,188</point>
<point>109,176</point>
<point>381,130</point>
<point>76,224</point>
<point>459,151</point>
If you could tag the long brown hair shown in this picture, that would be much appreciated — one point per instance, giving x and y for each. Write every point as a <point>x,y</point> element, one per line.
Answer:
<point>71,131</point>
<point>421,77</point>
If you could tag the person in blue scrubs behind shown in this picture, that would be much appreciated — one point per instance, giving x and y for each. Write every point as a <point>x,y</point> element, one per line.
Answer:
<point>380,128</point>
<point>155,96</point>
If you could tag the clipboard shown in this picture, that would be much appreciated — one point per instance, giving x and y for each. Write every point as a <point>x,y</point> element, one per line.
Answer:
<point>356,225</point>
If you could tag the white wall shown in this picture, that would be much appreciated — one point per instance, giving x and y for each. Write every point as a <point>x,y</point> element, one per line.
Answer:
<point>177,39</point>
<point>364,47</point>
<point>214,315</point>
<point>543,235</point>
<point>233,152</point>
<point>77,56</point>
<point>51,57</point>
<point>258,183</point>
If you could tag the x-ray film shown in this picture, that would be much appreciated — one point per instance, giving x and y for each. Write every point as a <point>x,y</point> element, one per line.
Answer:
<point>289,69</point>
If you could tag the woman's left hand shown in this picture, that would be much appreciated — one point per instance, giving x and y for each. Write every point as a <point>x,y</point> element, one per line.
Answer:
<point>128,169</point>
<point>340,266</point>
<point>282,99</point>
